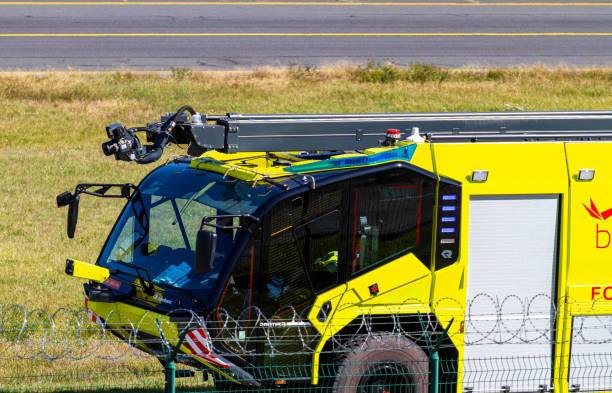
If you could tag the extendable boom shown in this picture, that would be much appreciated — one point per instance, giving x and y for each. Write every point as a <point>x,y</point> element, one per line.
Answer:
<point>341,132</point>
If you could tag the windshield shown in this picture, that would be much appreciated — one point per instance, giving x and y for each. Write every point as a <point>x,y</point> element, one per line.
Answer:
<point>157,230</point>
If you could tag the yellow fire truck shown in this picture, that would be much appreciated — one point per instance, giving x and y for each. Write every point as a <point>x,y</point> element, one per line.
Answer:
<point>284,233</point>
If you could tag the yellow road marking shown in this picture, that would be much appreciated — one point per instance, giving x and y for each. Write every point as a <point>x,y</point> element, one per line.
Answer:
<point>314,3</point>
<point>558,34</point>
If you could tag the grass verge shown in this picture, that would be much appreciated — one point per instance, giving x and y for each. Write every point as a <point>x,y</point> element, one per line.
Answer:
<point>53,125</point>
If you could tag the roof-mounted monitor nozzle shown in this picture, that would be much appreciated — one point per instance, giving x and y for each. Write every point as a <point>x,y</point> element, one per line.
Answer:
<point>126,146</point>
<point>415,136</point>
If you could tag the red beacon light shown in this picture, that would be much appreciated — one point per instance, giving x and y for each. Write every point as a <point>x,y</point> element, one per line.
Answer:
<point>393,135</point>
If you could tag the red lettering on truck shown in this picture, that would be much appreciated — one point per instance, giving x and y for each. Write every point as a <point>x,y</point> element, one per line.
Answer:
<point>605,237</point>
<point>597,292</point>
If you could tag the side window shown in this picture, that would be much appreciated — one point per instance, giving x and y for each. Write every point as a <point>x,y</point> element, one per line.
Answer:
<point>283,283</point>
<point>392,216</point>
<point>319,243</point>
<point>235,314</point>
<point>123,250</point>
<point>301,249</point>
<point>238,294</point>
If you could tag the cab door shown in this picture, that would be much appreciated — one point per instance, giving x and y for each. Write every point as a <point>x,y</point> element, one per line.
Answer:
<point>297,253</point>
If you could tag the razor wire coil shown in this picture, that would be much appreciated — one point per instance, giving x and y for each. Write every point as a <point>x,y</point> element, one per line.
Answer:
<point>70,334</point>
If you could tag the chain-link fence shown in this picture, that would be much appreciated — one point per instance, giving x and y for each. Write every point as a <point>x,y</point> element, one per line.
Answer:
<point>492,348</point>
<point>523,374</point>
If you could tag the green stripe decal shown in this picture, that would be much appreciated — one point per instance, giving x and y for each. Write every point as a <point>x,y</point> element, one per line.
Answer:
<point>403,153</point>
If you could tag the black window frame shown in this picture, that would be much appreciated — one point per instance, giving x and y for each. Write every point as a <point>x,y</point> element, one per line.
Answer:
<point>429,239</point>
<point>342,176</point>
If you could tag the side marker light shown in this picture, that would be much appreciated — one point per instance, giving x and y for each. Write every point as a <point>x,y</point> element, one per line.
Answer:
<point>480,176</point>
<point>586,174</point>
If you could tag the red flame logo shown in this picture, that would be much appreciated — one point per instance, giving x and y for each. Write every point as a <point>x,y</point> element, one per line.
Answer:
<point>594,212</point>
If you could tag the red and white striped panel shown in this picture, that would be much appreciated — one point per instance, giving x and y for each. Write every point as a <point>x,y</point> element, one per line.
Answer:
<point>95,318</point>
<point>200,345</point>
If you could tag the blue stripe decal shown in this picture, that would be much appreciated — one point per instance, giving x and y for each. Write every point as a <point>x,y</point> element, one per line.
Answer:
<point>403,153</point>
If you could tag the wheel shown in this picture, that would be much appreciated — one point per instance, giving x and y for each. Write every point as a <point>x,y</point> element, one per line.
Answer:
<point>383,363</point>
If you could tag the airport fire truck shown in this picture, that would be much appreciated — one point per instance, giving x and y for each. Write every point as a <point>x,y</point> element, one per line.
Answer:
<point>318,240</point>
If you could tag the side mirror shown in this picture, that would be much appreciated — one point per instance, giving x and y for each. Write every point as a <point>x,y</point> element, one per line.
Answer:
<point>206,244</point>
<point>73,215</point>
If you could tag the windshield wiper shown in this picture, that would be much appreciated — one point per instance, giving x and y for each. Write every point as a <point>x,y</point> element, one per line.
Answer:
<point>193,197</point>
<point>151,284</point>
<point>147,286</point>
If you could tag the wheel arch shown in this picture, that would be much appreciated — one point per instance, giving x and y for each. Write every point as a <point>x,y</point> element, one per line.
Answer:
<point>407,325</point>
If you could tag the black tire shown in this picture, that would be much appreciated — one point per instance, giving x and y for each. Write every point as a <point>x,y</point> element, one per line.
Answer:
<point>383,363</point>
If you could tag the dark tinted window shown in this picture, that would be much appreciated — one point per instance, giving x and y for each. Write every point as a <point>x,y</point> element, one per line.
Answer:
<point>284,282</point>
<point>232,322</point>
<point>302,231</point>
<point>318,242</point>
<point>392,216</point>
<point>238,294</point>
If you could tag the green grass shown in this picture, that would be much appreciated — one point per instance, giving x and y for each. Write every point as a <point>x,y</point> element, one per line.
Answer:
<point>53,125</point>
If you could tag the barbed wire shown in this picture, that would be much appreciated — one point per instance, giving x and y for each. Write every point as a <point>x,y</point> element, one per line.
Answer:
<point>487,320</point>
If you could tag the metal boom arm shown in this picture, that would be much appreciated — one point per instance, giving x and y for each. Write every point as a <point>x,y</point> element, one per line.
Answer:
<point>247,133</point>
<point>358,131</point>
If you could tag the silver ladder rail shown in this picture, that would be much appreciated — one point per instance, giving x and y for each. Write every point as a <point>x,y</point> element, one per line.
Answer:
<point>358,131</point>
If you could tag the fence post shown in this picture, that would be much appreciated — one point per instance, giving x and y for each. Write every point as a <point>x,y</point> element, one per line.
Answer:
<point>170,376</point>
<point>434,357</point>
<point>434,371</point>
<point>170,353</point>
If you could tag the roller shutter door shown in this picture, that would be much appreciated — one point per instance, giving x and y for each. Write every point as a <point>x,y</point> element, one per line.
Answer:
<point>512,258</point>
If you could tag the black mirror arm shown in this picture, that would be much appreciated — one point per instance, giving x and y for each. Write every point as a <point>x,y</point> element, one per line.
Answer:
<point>72,200</point>
<point>66,197</point>
<point>126,190</point>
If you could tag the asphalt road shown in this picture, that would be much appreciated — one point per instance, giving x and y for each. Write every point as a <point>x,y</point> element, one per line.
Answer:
<point>154,35</point>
